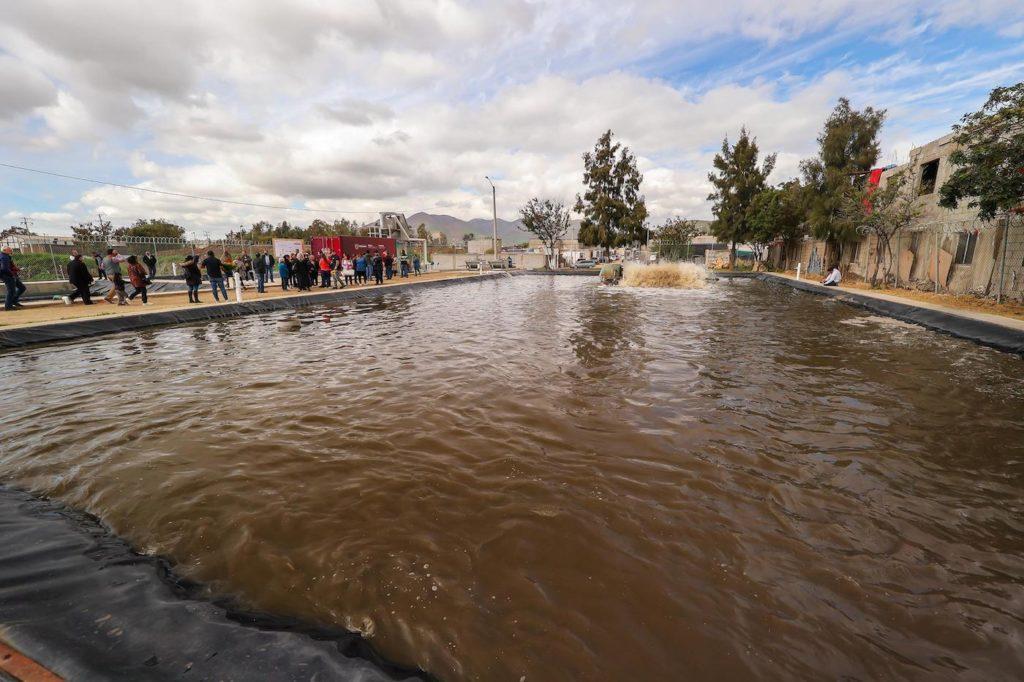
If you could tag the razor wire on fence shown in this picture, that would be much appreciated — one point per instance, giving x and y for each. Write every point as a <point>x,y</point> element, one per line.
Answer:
<point>965,256</point>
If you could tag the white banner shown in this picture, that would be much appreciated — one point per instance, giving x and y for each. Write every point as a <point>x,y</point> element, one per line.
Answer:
<point>286,247</point>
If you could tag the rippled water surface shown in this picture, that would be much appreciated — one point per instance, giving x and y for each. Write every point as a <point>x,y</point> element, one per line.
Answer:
<point>542,477</point>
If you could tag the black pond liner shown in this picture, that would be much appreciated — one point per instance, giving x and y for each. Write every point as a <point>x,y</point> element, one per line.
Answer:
<point>78,599</point>
<point>113,324</point>
<point>981,332</point>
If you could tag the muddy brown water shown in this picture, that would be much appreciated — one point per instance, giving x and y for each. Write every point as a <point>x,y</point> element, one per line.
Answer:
<point>542,477</point>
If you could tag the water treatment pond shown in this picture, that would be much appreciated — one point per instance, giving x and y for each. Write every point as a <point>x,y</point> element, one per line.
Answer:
<point>542,477</point>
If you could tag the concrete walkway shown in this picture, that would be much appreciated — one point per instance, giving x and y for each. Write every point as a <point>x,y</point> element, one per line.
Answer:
<point>48,312</point>
<point>47,323</point>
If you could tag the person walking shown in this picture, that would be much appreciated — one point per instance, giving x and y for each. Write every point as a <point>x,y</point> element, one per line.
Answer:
<point>284,269</point>
<point>193,278</point>
<point>403,262</point>
<point>149,260</point>
<point>378,269</point>
<point>215,271</point>
<point>416,264</point>
<point>12,282</point>
<point>80,278</point>
<point>137,276</point>
<point>347,270</point>
<point>99,264</point>
<point>259,267</point>
<point>112,268</point>
<point>389,265</point>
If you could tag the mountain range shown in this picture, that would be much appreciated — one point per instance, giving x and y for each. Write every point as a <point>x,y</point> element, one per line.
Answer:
<point>455,228</point>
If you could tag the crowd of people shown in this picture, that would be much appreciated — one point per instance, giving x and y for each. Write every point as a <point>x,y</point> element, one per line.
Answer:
<point>299,270</point>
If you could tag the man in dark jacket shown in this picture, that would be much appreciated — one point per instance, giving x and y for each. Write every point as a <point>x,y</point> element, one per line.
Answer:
<point>259,266</point>
<point>80,278</point>
<point>149,260</point>
<point>9,276</point>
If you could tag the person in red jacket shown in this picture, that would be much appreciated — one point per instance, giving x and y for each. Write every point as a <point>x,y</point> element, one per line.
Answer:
<point>325,272</point>
<point>137,276</point>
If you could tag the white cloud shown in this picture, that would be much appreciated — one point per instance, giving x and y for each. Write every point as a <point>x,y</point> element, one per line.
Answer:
<point>407,104</point>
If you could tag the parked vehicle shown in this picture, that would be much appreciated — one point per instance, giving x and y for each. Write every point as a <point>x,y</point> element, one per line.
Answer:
<point>584,263</point>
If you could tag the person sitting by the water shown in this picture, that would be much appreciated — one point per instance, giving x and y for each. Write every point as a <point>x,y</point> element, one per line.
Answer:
<point>834,277</point>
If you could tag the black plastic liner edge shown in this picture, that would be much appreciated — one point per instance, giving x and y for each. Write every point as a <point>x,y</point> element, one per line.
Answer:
<point>63,564</point>
<point>95,326</point>
<point>979,331</point>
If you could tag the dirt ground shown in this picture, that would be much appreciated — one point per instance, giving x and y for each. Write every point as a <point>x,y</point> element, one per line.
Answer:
<point>36,313</point>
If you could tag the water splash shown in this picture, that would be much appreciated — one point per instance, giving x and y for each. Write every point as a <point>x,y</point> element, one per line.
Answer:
<point>664,275</point>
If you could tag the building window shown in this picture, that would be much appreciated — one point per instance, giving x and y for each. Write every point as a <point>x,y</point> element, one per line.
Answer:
<point>929,174</point>
<point>965,248</point>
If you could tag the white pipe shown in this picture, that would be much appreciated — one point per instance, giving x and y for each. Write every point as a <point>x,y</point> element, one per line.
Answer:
<point>798,271</point>
<point>238,287</point>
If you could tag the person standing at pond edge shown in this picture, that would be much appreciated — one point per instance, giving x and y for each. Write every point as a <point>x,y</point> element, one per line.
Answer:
<point>12,282</point>
<point>216,274</point>
<point>149,260</point>
<point>193,278</point>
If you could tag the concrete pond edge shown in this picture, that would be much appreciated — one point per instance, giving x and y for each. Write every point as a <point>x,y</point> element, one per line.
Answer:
<point>71,330</point>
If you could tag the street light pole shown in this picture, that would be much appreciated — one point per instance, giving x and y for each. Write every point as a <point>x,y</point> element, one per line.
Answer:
<point>494,206</point>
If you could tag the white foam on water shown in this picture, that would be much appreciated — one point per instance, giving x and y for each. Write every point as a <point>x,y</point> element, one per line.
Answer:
<point>664,276</point>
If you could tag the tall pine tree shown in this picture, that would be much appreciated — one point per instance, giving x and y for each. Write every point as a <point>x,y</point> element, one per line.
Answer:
<point>848,148</point>
<point>737,180</point>
<point>614,211</point>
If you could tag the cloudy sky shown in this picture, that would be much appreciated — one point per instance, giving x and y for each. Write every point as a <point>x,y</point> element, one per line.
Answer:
<point>361,106</point>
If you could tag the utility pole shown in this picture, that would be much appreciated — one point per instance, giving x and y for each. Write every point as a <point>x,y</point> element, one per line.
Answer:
<point>24,221</point>
<point>494,206</point>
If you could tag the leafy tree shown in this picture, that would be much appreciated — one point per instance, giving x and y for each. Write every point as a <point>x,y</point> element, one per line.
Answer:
<point>153,227</point>
<point>442,239</point>
<point>881,212</point>
<point>675,236</point>
<point>15,230</point>
<point>778,213</point>
<point>422,232</point>
<point>547,220</point>
<point>848,148</point>
<point>737,180</point>
<point>101,232</point>
<point>468,237</point>
<point>614,211</point>
<point>990,158</point>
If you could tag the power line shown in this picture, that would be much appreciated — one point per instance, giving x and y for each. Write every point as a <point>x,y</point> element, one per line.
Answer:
<point>180,194</point>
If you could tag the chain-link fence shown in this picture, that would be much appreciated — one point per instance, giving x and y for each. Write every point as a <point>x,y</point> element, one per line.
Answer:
<point>43,258</point>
